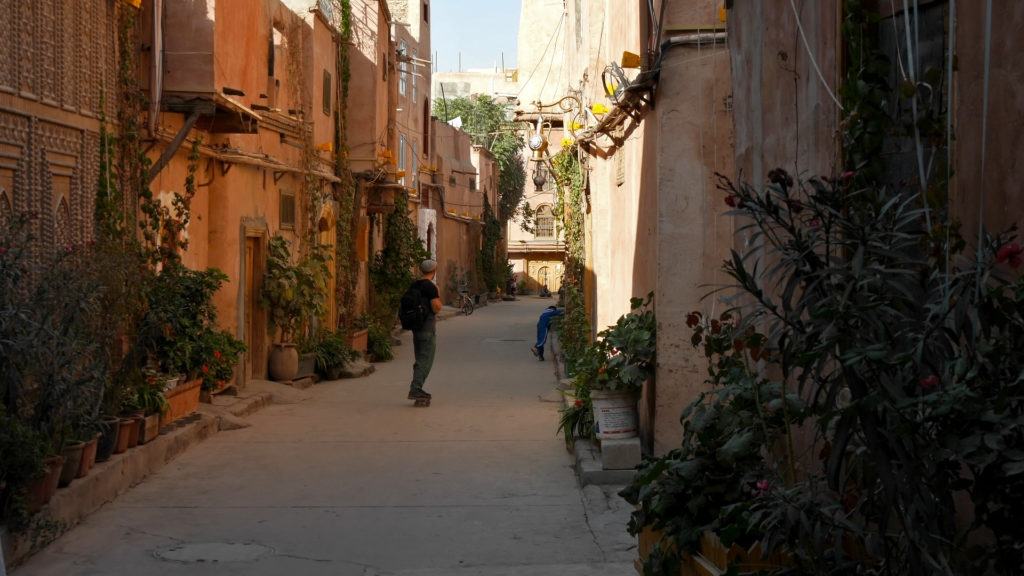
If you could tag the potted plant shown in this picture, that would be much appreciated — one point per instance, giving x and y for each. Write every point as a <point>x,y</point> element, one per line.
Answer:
<point>378,344</point>
<point>149,395</point>
<point>611,372</point>
<point>22,451</point>
<point>52,365</point>
<point>179,334</point>
<point>332,353</point>
<point>293,294</point>
<point>216,357</point>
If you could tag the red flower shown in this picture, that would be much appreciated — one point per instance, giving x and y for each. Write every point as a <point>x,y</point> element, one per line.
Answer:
<point>733,201</point>
<point>763,486</point>
<point>3,250</point>
<point>601,370</point>
<point>693,319</point>
<point>220,384</point>
<point>794,205</point>
<point>216,353</point>
<point>1010,253</point>
<point>847,175</point>
<point>929,382</point>
<point>578,403</point>
<point>205,368</point>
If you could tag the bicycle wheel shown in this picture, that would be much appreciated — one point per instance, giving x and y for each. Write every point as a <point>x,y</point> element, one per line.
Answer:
<point>467,306</point>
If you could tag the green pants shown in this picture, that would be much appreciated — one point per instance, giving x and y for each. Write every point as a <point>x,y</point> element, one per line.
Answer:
<point>424,343</point>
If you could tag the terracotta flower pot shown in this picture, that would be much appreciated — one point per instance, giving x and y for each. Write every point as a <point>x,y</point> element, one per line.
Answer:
<point>72,462</point>
<point>133,430</point>
<point>88,456</point>
<point>42,489</point>
<point>284,362</point>
<point>150,428</point>
<point>124,434</point>
<point>181,401</point>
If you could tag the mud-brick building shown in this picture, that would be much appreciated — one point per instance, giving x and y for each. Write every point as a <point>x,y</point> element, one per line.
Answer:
<point>57,65</point>
<point>253,88</point>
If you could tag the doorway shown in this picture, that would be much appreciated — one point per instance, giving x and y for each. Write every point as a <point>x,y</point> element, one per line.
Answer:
<point>254,364</point>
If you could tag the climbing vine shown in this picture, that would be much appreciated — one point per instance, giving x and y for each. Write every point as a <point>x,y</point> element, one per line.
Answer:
<point>345,264</point>
<point>569,211</point>
<point>391,271</point>
<point>492,275</point>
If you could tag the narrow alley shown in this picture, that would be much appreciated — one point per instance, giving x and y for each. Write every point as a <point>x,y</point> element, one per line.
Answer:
<point>353,480</point>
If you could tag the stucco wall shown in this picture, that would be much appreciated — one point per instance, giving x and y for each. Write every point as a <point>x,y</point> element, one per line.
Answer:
<point>988,148</point>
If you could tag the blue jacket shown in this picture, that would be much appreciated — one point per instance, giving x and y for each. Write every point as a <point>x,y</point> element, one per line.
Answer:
<point>546,316</point>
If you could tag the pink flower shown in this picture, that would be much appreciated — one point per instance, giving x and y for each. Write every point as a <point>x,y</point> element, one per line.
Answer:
<point>1010,253</point>
<point>847,175</point>
<point>763,486</point>
<point>733,201</point>
<point>929,382</point>
<point>3,250</point>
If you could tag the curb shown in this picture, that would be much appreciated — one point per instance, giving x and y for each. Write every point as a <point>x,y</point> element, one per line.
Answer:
<point>112,478</point>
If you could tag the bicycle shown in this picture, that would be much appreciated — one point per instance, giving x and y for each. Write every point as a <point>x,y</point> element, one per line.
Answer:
<point>465,303</point>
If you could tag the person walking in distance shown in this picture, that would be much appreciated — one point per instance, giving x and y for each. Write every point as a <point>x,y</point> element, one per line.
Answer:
<point>542,330</point>
<point>424,339</point>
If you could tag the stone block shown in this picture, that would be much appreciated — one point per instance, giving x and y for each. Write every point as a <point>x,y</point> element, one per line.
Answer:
<point>620,454</point>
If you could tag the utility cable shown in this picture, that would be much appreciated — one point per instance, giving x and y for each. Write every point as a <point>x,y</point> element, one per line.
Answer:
<point>918,148</point>
<point>814,63</point>
<point>558,28</point>
<point>984,134</point>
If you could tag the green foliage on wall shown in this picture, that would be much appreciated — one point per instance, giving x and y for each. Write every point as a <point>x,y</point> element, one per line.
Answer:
<point>489,272</point>
<point>574,329</point>
<point>393,267</point>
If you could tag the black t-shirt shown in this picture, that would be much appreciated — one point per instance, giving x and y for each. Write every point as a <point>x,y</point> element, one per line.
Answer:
<point>429,291</point>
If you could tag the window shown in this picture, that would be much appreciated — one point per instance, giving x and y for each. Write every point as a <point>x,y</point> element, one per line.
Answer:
<point>402,69</point>
<point>472,183</point>
<point>327,93</point>
<point>426,12</point>
<point>287,208</point>
<point>545,222</point>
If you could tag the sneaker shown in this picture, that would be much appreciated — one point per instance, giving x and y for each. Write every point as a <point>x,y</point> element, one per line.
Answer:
<point>541,358</point>
<point>416,393</point>
<point>535,350</point>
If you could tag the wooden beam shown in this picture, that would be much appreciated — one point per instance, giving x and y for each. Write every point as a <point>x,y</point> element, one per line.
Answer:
<point>172,148</point>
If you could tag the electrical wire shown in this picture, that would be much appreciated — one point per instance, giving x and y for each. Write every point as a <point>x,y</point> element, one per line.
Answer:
<point>557,32</point>
<point>984,131</point>
<point>814,63</point>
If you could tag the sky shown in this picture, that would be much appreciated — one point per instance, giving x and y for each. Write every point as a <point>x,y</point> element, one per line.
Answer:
<point>481,30</point>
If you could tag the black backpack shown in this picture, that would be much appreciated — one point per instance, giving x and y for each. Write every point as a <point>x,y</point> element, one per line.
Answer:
<point>412,312</point>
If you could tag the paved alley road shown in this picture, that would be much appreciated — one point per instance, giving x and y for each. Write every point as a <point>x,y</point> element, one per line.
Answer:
<point>356,481</point>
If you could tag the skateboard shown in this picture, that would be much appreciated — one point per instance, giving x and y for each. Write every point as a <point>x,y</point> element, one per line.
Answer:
<point>424,402</point>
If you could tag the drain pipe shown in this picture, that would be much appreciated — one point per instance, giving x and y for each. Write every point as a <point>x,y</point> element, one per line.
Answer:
<point>695,39</point>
